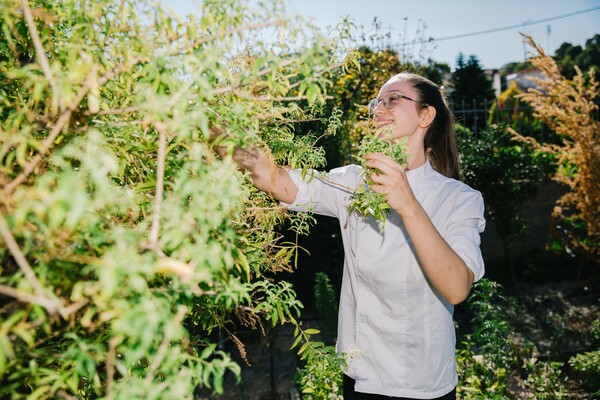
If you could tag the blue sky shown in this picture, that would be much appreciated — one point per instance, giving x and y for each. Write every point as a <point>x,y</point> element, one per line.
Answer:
<point>445,18</point>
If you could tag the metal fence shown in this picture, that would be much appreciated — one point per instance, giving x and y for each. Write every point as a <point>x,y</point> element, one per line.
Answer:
<point>477,115</point>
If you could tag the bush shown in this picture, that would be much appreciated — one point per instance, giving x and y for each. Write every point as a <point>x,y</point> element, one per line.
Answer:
<point>127,245</point>
<point>587,365</point>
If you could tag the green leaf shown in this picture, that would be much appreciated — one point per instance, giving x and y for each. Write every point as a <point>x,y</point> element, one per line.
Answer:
<point>311,331</point>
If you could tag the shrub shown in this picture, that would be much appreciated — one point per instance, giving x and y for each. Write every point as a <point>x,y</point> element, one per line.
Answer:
<point>127,245</point>
<point>567,106</point>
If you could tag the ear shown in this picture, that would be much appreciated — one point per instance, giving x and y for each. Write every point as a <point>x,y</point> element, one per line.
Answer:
<point>427,116</point>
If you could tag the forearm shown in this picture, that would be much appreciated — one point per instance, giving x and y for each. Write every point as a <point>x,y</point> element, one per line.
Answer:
<point>265,174</point>
<point>443,267</point>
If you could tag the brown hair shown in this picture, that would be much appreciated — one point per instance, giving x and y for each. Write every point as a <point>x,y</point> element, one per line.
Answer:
<point>440,138</point>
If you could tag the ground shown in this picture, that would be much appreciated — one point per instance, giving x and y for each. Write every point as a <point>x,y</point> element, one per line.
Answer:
<point>556,317</point>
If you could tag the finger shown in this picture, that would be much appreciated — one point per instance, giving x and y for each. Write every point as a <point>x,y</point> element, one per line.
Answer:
<point>384,166</point>
<point>378,188</point>
<point>381,179</point>
<point>384,159</point>
<point>377,156</point>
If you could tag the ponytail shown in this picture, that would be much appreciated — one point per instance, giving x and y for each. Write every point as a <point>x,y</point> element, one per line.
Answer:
<point>440,138</point>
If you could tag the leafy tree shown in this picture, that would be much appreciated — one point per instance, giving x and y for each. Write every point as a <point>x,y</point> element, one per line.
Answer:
<point>507,173</point>
<point>513,67</point>
<point>434,71</point>
<point>472,87</point>
<point>568,56</point>
<point>567,107</point>
<point>126,244</point>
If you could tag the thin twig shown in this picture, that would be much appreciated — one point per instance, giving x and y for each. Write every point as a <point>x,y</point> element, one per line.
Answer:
<point>49,141</point>
<point>345,188</point>
<point>115,112</point>
<point>268,98</point>
<point>49,305</point>
<point>114,21</point>
<point>110,362</point>
<point>46,145</point>
<point>328,69</point>
<point>162,350</point>
<point>236,85</point>
<point>65,395</point>
<point>74,307</point>
<point>19,257</point>
<point>116,124</point>
<point>37,43</point>
<point>228,32</point>
<point>160,175</point>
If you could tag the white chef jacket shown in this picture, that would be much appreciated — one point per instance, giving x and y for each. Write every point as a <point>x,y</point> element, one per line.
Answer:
<point>394,327</point>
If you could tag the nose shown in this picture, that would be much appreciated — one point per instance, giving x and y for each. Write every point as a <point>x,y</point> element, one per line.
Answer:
<point>379,109</point>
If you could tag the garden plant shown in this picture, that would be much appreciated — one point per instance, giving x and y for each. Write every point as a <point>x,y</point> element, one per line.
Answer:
<point>127,246</point>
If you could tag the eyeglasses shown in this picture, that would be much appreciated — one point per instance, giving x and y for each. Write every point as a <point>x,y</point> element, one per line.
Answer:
<point>390,100</point>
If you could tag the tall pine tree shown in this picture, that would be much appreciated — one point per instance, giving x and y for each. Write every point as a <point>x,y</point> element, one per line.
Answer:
<point>471,89</point>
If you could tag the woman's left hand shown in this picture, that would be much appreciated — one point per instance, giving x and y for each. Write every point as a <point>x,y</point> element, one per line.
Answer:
<point>391,182</point>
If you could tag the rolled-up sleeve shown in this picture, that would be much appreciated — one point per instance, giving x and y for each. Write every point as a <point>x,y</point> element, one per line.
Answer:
<point>463,232</point>
<point>323,193</point>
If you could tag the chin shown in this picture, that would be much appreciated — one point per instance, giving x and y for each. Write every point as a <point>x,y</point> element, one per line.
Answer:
<point>386,132</point>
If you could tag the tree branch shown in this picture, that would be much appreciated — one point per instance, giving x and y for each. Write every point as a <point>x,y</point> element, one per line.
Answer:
<point>37,43</point>
<point>46,145</point>
<point>160,176</point>
<point>229,32</point>
<point>162,350</point>
<point>115,112</point>
<point>49,305</point>
<point>19,257</point>
<point>49,141</point>
<point>110,362</point>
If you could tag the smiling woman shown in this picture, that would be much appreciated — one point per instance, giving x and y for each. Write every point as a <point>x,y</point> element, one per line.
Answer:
<point>400,279</point>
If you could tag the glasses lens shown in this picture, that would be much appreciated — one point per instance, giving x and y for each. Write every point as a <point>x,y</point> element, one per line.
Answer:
<point>391,100</point>
<point>372,106</point>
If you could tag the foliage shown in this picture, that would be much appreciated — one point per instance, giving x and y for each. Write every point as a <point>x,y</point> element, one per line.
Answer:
<point>127,245</point>
<point>514,67</point>
<point>518,115</point>
<point>478,379</point>
<point>506,172</point>
<point>326,306</point>
<point>503,355</point>
<point>567,107</point>
<point>569,57</point>
<point>364,201</point>
<point>491,331</point>
<point>470,86</point>
<point>485,375</point>
<point>587,364</point>
<point>544,379</point>
<point>321,376</point>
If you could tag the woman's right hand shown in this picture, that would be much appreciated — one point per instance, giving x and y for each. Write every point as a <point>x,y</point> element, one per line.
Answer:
<point>265,174</point>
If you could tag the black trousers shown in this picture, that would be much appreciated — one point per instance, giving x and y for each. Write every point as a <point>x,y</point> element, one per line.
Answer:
<point>350,394</point>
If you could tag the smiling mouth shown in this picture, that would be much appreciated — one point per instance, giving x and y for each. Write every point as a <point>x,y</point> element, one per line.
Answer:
<point>382,124</point>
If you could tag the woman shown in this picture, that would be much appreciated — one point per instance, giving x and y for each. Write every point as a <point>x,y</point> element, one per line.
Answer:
<point>399,285</point>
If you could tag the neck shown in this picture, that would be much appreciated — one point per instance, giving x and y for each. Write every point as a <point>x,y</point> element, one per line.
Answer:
<point>416,152</point>
<point>416,160</point>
